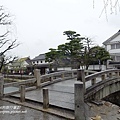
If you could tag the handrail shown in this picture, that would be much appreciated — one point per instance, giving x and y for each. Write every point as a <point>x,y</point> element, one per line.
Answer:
<point>61,74</point>
<point>64,73</point>
<point>20,83</point>
<point>97,74</point>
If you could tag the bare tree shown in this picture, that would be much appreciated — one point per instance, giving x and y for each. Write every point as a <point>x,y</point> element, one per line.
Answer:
<point>6,41</point>
<point>113,6</point>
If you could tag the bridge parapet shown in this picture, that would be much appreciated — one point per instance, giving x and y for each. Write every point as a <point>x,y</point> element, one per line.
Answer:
<point>104,74</point>
<point>109,82</point>
<point>42,80</point>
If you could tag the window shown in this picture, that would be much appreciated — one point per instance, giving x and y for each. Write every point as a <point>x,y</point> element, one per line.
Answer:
<point>41,61</point>
<point>37,62</point>
<point>106,47</point>
<point>118,46</point>
<point>113,58</point>
<point>117,58</point>
<point>113,46</point>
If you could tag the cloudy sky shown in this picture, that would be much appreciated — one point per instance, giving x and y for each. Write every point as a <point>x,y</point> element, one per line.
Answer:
<point>39,24</point>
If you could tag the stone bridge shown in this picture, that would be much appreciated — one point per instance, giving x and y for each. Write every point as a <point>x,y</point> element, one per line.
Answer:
<point>108,83</point>
<point>75,87</point>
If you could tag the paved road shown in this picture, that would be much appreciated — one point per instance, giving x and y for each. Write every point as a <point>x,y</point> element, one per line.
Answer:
<point>8,113</point>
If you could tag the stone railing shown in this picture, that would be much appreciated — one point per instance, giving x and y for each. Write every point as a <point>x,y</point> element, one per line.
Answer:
<point>102,75</point>
<point>106,79</point>
<point>92,78</point>
<point>80,88</point>
<point>37,81</point>
<point>41,80</point>
<point>82,92</point>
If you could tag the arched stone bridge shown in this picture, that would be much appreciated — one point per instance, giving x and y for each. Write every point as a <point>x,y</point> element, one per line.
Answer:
<point>103,84</point>
<point>97,85</point>
<point>68,89</point>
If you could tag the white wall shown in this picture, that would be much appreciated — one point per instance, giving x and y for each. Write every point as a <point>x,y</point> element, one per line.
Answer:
<point>39,62</point>
<point>116,39</point>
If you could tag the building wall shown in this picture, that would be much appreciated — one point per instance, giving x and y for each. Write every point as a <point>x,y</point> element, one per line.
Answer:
<point>113,47</point>
<point>38,62</point>
<point>114,51</point>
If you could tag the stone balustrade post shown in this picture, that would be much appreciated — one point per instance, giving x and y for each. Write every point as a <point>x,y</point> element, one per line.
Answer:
<point>73,74</point>
<point>103,77</point>
<point>81,77</point>
<point>79,101</point>
<point>93,81</point>
<point>38,77</point>
<point>22,93</point>
<point>63,76</point>
<point>51,78</point>
<point>117,74</point>
<point>86,73</point>
<point>1,87</point>
<point>110,75</point>
<point>45,98</point>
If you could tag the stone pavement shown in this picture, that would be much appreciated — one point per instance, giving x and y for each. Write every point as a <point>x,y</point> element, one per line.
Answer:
<point>61,94</point>
<point>18,112</point>
<point>107,111</point>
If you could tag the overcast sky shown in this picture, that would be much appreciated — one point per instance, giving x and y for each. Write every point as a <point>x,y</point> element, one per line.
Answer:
<point>39,24</point>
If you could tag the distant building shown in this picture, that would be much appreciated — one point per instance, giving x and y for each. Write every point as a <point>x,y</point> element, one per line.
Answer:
<point>112,45</point>
<point>40,59</point>
<point>20,65</point>
<point>39,63</point>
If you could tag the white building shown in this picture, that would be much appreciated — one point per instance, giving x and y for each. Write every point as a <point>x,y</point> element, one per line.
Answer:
<point>112,45</point>
<point>40,59</point>
<point>39,63</point>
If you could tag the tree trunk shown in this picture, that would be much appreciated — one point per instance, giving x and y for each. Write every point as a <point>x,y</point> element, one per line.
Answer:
<point>2,62</point>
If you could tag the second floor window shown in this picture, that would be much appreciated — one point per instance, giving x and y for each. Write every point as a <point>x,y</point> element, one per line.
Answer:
<point>113,46</point>
<point>118,46</point>
<point>118,58</point>
<point>113,58</point>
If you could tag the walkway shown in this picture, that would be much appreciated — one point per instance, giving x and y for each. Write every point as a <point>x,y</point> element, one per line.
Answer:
<point>61,94</point>
<point>23,113</point>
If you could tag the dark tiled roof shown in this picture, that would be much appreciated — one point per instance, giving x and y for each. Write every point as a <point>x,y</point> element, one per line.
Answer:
<point>111,38</point>
<point>40,57</point>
